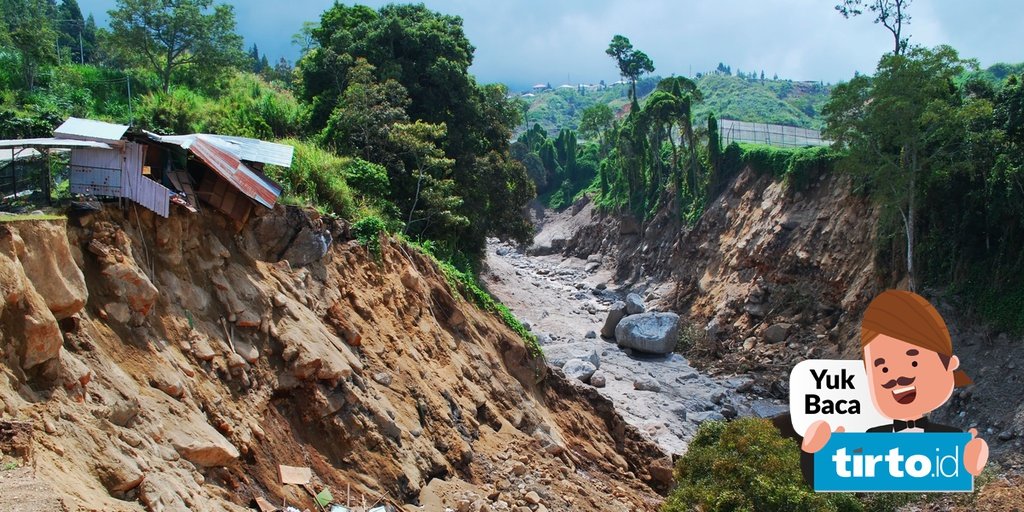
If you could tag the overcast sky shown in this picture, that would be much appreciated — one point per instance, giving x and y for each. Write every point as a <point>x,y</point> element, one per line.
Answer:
<point>530,41</point>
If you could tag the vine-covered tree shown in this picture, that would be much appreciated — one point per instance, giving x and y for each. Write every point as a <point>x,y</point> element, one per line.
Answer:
<point>166,35</point>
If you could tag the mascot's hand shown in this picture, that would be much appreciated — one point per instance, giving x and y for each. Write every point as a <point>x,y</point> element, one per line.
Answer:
<point>975,453</point>
<point>817,436</point>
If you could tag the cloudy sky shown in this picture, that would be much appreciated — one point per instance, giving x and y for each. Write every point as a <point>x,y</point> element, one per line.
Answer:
<point>529,41</point>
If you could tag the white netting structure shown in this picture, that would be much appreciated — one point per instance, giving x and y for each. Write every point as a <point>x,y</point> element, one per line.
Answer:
<point>771,134</point>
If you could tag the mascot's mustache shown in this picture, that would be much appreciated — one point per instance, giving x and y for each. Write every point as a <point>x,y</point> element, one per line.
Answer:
<point>902,381</point>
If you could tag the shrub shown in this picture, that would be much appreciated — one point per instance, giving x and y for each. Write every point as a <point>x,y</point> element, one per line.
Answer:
<point>796,166</point>
<point>369,179</point>
<point>746,465</point>
<point>317,176</point>
<point>368,230</point>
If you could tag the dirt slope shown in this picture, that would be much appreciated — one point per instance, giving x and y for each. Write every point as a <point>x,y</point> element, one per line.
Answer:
<point>172,364</point>
<point>770,276</point>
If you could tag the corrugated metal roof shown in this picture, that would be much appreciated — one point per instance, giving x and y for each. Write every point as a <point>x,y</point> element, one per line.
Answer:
<point>231,168</point>
<point>254,150</point>
<point>52,142</point>
<point>250,150</point>
<point>89,129</point>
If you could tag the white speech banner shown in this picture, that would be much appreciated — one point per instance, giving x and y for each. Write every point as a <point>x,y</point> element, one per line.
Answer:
<point>834,390</point>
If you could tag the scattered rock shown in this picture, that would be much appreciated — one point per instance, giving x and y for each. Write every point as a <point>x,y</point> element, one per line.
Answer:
<point>120,474</point>
<point>118,312</point>
<point>655,333</point>
<point>767,409</point>
<point>532,497</point>
<point>598,379</point>
<point>615,315</point>
<point>646,383</point>
<point>635,304</point>
<point>591,335</point>
<point>201,444</point>
<point>308,246</point>
<point>579,370</point>
<point>382,378</point>
<point>777,333</point>
<point>169,382</point>
<point>699,417</point>
<point>749,343</point>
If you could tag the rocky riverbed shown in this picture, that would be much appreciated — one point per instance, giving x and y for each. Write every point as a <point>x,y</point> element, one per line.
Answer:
<point>565,301</point>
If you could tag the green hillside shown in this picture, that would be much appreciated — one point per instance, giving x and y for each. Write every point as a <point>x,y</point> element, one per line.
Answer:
<point>727,96</point>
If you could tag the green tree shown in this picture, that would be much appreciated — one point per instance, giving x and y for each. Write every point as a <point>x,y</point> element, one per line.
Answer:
<point>31,33</point>
<point>895,126</point>
<point>427,53</point>
<point>632,63</point>
<point>891,14</point>
<point>304,37</point>
<point>364,115</point>
<point>167,35</point>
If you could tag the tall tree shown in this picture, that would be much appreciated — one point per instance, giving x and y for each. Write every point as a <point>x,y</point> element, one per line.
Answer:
<point>891,14</point>
<point>632,63</point>
<point>170,34</point>
<point>428,54</point>
<point>71,26</point>
<point>30,32</point>
<point>895,126</point>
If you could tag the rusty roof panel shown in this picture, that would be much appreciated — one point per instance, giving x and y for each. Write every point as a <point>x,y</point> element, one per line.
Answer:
<point>228,166</point>
<point>88,129</point>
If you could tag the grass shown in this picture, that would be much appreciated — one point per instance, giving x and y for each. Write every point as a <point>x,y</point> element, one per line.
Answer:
<point>30,217</point>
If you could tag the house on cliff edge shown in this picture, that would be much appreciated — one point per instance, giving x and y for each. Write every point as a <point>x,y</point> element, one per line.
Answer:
<point>193,171</point>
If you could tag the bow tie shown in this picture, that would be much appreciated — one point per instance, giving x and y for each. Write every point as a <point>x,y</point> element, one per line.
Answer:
<point>898,425</point>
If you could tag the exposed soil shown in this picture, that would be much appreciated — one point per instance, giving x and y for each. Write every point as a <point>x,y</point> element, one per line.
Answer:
<point>175,363</point>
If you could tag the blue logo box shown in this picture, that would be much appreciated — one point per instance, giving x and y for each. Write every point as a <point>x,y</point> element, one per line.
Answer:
<point>906,462</point>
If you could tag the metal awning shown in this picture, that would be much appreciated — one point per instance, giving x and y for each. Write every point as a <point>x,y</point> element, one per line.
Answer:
<point>53,142</point>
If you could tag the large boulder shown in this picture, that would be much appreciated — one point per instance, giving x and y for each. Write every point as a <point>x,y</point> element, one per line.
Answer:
<point>634,304</point>
<point>46,257</point>
<point>198,442</point>
<point>655,333</point>
<point>309,245</point>
<point>615,314</point>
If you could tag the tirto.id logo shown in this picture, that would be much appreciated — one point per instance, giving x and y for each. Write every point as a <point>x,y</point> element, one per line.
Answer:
<point>893,462</point>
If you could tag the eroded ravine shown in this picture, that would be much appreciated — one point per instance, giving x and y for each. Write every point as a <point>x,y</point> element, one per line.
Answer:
<point>566,300</point>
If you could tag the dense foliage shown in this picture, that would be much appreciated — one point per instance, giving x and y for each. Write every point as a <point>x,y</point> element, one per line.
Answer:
<point>746,465</point>
<point>940,150</point>
<point>371,73</point>
<point>727,96</point>
<point>390,129</point>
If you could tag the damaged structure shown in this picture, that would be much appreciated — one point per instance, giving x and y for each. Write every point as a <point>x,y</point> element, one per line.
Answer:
<point>223,172</point>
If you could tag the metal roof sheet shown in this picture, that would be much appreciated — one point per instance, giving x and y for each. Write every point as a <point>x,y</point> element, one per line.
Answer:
<point>53,142</point>
<point>89,129</point>
<point>243,148</point>
<point>228,166</point>
<point>254,150</point>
